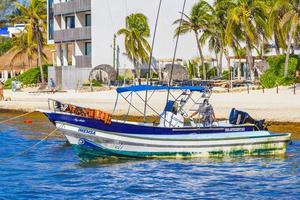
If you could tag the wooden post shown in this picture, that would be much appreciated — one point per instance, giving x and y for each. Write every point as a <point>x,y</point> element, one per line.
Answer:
<point>248,88</point>
<point>294,88</point>
<point>263,89</point>
<point>228,85</point>
<point>277,89</point>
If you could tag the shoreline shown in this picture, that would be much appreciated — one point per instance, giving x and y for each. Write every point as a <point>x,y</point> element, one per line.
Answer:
<point>273,126</point>
<point>282,107</point>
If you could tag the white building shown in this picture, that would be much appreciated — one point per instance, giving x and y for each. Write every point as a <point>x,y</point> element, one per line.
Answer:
<point>83,33</point>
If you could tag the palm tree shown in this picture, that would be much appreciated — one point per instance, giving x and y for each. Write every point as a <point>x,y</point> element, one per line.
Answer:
<point>291,20</point>
<point>23,45</point>
<point>135,34</point>
<point>196,22</point>
<point>34,15</point>
<point>215,34</point>
<point>277,9</point>
<point>249,17</point>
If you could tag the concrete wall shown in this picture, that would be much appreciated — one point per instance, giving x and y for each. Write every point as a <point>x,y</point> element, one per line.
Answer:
<point>68,77</point>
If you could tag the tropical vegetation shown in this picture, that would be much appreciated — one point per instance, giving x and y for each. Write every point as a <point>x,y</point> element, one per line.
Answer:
<point>34,15</point>
<point>136,45</point>
<point>32,40</point>
<point>31,76</point>
<point>242,27</point>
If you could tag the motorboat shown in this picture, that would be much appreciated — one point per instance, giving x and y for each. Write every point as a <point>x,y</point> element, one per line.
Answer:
<point>95,133</point>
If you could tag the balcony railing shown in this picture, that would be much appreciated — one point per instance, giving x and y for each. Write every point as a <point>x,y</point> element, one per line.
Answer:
<point>72,7</point>
<point>83,61</point>
<point>69,35</point>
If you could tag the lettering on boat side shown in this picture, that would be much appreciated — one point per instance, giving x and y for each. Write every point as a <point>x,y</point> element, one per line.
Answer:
<point>88,131</point>
<point>79,120</point>
<point>118,145</point>
<point>237,129</point>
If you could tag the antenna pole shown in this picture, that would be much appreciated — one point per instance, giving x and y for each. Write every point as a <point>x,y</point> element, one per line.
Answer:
<point>175,51</point>
<point>150,58</point>
<point>114,51</point>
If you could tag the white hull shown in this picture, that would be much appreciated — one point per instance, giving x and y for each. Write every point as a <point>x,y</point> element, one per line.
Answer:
<point>200,145</point>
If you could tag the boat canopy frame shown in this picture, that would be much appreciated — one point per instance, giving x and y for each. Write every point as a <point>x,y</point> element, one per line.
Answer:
<point>135,89</point>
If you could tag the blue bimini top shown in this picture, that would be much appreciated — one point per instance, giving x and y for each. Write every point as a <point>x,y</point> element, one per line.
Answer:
<point>140,88</point>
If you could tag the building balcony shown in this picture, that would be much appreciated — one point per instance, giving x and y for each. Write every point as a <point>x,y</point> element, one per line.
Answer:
<point>71,7</point>
<point>73,34</point>
<point>83,61</point>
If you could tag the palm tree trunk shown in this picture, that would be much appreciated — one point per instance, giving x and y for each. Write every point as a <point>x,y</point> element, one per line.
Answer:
<point>240,68</point>
<point>277,49</point>
<point>249,57</point>
<point>220,63</point>
<point>227,58</point>
<point>39,49</point>
<point>287,57</point>
<point>29,62</point>
<point>201,57</point>
<point>263,53</point>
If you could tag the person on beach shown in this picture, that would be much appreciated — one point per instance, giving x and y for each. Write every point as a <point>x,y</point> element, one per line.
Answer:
<point>207,113</point>
<point>1,91</point>
<point>52,85</point>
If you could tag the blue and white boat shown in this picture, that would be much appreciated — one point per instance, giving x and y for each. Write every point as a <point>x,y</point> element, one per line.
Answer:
<point>94,133</point>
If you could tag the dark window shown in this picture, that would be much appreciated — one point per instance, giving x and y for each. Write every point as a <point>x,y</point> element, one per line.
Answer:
<point>88,20</point>
<point>88,48</point>
<point>50,20</point>
<point>70,22</point>
<point>51,26</point>
<point>50,3</point>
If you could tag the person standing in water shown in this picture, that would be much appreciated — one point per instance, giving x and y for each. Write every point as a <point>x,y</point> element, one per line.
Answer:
<point>207,113</point>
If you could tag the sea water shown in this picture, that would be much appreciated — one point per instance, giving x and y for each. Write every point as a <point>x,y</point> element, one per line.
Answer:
<point>53,171</point>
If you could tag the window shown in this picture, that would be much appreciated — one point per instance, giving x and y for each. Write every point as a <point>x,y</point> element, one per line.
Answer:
<point>88,20</point>
<point>51,26</point>
<point>70,22</point>
<point>88,48</point>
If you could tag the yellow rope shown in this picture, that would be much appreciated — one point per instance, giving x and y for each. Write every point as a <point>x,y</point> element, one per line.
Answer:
<point>1,122</point>
<point>30,148</point>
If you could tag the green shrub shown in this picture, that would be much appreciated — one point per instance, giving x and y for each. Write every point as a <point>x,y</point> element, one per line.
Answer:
<point>275,74</point>
<point>211,72</point>
<point>5,45</point>
<point>32,76</point>
<point>225,75</point>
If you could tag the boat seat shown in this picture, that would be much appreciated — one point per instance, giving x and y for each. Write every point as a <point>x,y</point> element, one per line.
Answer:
<point>169,106</point>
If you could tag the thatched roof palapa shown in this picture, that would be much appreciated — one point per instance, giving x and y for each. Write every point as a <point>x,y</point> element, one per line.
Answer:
<point>20,63</point>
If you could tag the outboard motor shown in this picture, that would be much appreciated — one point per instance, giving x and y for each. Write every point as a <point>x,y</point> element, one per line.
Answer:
<point>239,117</point>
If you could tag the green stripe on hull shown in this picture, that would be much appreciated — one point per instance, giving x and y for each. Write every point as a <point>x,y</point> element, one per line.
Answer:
<point>88,154</point>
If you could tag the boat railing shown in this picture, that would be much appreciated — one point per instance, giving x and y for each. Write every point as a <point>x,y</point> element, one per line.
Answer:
<point>55,105</point>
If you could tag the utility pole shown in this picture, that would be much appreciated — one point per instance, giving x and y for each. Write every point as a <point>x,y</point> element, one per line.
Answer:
<point>114,52</point>
<point>118,60</point>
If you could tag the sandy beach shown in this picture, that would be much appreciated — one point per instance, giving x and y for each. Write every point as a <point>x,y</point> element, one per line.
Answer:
<point>284,106</point>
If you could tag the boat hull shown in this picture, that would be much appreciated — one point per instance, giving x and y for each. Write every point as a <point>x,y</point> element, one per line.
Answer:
<point>97,143</point>
<point>140,128</point>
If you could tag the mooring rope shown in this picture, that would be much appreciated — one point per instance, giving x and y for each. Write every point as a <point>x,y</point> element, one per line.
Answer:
<point>29,148</point>
<point>7,120</point>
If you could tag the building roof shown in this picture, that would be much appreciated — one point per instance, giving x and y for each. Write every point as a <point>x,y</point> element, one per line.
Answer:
<point>20,63</point>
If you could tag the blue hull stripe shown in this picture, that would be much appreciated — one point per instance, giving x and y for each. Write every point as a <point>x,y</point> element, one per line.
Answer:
<point>118,127</point>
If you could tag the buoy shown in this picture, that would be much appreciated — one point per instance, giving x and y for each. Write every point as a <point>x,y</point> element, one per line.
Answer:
<point>28,121</point>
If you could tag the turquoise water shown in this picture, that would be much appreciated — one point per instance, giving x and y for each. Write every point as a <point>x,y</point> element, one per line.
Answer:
<point>52,171</point>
